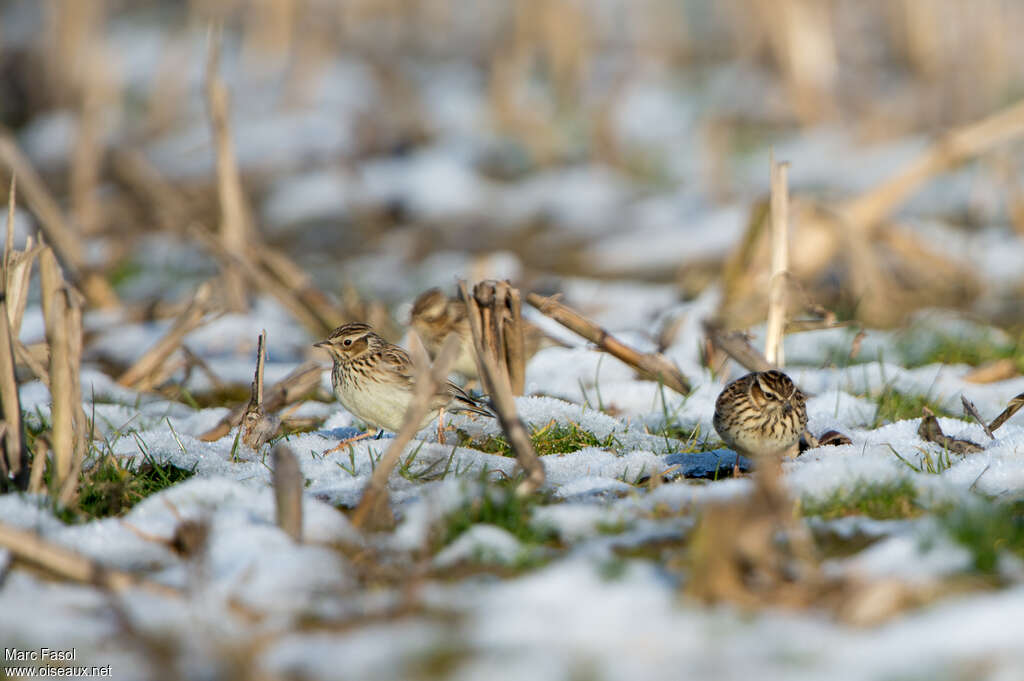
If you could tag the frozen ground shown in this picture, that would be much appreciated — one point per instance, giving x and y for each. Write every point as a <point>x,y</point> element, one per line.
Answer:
<point>585,582</point>
<point>584,600</point>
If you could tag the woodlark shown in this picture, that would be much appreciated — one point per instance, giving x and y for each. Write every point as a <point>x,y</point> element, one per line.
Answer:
<point>434,315</point>
<point>374,379</point>
<point>762,413</point>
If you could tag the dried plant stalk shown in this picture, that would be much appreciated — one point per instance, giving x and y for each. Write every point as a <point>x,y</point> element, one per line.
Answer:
<point>296,279</point>
<point>141,374</point>
<point>73,308</point>
<point>295,386</point>
<point>64,241</point>
<point>1012,408</point>
<point>14,463</point>
<point>55,314</point>
<point>287,478</point>
<point>257,426</point>
<point>998,370</point>
<point>137,173</point>
<point>240,262</point>
<point>972,411</point>
<point>651,365</point>
<point>373,511</point>
<point>35,483</point>
<point>515,342</point>
<point>773,350</point>
<point>87,153</point>
<point>497,381</point>
<point>19,274</point>
<point>865,212</point>
<point>502,332</point>
<point>737,345</point>
<point>289,283</point>
<point>755,550</point>
<point>931,431</point>
<point>12,197</point>
<point>67,564</point>
<point>234,216</point>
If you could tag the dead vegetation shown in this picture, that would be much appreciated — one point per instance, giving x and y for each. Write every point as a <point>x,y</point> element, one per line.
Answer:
<point>846,257</point>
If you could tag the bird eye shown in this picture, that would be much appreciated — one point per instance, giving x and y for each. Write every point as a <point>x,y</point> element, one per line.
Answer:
<point>348,342</point>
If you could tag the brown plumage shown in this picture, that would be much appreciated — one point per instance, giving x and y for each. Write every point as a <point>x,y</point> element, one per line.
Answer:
<point>374,379</point>
<point>761,413</point>
<point>434,315</point>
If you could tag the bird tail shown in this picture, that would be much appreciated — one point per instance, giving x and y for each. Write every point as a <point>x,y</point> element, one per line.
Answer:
<point>463,401</point>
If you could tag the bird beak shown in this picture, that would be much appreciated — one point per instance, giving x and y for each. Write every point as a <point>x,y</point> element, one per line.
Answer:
<point>321,344</point>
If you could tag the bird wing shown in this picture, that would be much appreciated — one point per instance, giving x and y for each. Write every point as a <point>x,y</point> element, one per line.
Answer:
<point>400,364</point>
<point>463,401</point>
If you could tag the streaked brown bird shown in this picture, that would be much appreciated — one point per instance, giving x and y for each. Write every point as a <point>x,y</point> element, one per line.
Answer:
<point>760,414</point>
<point>374,379</point>
<point>434,316</point>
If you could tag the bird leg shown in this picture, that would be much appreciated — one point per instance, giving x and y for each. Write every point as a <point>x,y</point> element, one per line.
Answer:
<point>344,443</point>
<point>440,426</point>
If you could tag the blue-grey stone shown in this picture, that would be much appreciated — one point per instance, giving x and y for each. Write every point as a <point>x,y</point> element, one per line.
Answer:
<point>714,465</point>
<point>346,433</point>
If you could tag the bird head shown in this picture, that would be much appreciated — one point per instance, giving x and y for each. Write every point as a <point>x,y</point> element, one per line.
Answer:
<point>350,341</point>
<point>431,307</point>
<point>775,390</point>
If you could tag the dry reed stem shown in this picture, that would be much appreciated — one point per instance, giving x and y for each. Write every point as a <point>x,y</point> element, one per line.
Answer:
<point>87,153</point>
<point>31,548</point>
<point>235,223</point>
<point>14,461</point>
<point>972,411</point>
<point>295,278</point>
<point>288,482</point>
<point>1012,408</point>
<point>73,308</point>
<point>257,426</point>
<point>12,198</point>
<point>35,482</point>
<point>515,342</point>
<point>802,37</point>
<point>240,262</point>
<point>497,381</point>
<point>52,222</point>
<point>55,313</point>
<point>289,284</point>
<point>999,370</point>
<point>141,374</point>
<point>651,365</point>
<point>754,551</point>
<point>499,306</point>
<point>931,431</point>
<point>373,511</point>
<point>293,387</point>
<point>136,172</point>
<point>803,325</point>
<point>19,274</point>
<point>193,360</point>
<point>54,226</point>
<point>773,350</point>
<point>737,345</point>
<point>865,212</point>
